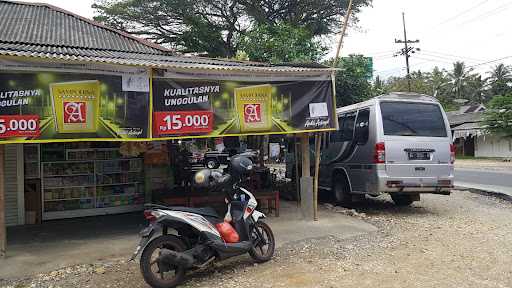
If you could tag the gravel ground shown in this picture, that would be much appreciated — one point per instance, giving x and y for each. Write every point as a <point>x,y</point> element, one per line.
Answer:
<point>464,240</point>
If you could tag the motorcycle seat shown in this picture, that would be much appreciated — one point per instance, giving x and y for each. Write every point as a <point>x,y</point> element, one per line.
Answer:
<point>204,211</point>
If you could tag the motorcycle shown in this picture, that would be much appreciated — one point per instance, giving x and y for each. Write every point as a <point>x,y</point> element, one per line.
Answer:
<point>180,239</point>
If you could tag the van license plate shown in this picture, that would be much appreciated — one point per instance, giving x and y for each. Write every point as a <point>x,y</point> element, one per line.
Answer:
<point>419,155</point>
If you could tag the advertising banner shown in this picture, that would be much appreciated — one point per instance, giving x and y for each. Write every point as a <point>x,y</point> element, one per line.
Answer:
<point>41,106</point>
<point>217,107</point>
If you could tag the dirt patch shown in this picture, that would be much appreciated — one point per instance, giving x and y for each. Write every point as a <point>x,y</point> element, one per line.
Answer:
<point>462,240</point>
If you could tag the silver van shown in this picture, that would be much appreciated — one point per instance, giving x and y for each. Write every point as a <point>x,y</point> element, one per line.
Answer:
<point>398,143</point>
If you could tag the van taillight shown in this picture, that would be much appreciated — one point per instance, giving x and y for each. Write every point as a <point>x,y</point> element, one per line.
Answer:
<point>453,149</point>
<point>150,216</point>
<point>379,155</point>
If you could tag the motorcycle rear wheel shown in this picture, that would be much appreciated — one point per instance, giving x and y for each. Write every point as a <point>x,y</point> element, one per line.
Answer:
<point>258,254</point>
<point>148,263</point>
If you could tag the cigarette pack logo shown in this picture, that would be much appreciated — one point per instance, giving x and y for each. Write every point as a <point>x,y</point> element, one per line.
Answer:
<point>252,113</point>
<point>75,112</point>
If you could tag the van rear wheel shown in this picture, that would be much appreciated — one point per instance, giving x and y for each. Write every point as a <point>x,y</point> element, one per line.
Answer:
<point>401,199</point>
<point>341,191</point>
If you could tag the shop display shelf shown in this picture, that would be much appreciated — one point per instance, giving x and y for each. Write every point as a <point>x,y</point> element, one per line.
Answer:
<point>68,199</point>
<point>117,184</point>
<point>68,175</point>
<point>64,187</point>
<point>118,172</point>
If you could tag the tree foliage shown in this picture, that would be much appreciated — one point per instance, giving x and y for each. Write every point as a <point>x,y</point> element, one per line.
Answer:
<point>281,43</point>
<point>500,80</point>
<point>319,17</point>
<point>352,83</point>
<point>205,26</point>
<point>216,27</point>
<point>498,117</point>
<point>453,88</point>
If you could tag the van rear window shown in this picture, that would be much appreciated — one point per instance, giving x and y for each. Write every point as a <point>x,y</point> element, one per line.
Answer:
<point>412,119</point>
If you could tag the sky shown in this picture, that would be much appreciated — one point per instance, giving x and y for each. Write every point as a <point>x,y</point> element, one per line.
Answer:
<point>473,31</point>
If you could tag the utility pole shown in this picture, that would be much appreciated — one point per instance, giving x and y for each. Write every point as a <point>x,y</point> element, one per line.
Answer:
<point>407,51</point>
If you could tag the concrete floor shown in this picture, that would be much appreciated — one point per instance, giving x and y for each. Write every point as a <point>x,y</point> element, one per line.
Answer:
<point>57,244</point>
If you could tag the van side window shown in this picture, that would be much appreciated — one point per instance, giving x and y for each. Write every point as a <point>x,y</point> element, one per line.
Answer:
<point>362,126</point>
<point>346,132</point>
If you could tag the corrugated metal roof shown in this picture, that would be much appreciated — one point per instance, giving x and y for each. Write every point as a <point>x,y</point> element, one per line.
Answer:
<point>457,119</point>
<point>140,59</point>
<point>44,24</point>
<point>45,31</point>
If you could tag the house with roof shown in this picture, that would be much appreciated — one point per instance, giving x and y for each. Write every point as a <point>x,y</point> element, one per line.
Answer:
<point>470,136</point>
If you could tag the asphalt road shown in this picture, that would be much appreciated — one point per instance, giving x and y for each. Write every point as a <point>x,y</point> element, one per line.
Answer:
<point>484,179</point>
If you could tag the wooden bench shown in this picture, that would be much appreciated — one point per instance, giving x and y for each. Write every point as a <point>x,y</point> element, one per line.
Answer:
<point>272,201</point>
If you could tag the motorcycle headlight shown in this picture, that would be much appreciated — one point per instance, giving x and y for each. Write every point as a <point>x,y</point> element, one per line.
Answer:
<point>200,178</point>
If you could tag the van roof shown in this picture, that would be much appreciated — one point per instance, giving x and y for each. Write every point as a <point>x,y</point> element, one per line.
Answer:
<point>410,96</point>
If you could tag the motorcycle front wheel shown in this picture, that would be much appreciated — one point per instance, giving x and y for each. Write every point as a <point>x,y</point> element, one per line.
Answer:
<point>155,275</point>
<point>264,243</point>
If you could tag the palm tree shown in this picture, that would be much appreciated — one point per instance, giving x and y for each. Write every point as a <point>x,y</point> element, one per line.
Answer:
<point>438,81</point>
<point>459,78</point>
<point>477,87</point>
<point>500,80</point>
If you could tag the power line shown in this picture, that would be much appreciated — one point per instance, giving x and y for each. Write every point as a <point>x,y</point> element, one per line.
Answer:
<point>489,62</point>
<point>487,14</point>
<point>464,12</point>
<point>434,60</point>
<point>452,55</point>
<point>453,59</point>
<point>381,52</point>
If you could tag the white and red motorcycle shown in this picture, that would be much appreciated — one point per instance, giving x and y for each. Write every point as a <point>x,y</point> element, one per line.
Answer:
<point>179,239</point>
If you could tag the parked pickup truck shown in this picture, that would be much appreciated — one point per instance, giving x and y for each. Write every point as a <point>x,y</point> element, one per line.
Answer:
<point>213,159</point>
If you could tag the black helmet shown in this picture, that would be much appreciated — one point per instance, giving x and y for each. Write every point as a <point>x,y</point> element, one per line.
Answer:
<point>241,165</point>
<point>207,178</point>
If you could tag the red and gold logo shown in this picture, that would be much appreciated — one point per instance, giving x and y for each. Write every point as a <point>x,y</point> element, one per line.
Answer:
<point>75,112</point>
<point>252,113</point>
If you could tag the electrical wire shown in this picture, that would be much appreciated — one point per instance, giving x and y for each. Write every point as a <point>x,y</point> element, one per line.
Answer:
<point>487,14</point>
<point>464,12</point>
<point>433,60</point>
<point>490,62</point>
<point>452,55</point>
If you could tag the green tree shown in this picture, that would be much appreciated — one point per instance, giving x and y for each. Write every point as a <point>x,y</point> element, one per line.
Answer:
<point>477,92</point>
<point>352,83</point>
<point>498,116</point>
<point>319,17</point>
<point>500,80</point>
<point>215,27</point>
<point>460,77</point>
<point>281,43</point>
<point>378,87</point>
<point>418,83</point>
<point>202,26</point>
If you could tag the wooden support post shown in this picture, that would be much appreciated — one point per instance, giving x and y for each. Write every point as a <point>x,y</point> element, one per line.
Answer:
<point>3,230</point>
<point>318,141</point>
<point>306,181</point>
<point>297,175</point>
<point>306,165</point>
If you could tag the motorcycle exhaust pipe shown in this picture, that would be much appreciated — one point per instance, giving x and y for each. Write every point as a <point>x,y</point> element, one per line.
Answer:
<point>173,258</point>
